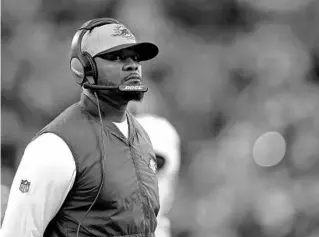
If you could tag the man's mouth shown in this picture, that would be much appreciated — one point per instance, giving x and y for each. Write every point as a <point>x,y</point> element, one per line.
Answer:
<point>133,79</point>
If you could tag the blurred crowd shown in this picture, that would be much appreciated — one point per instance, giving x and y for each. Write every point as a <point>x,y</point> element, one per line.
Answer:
<point>228,72</point>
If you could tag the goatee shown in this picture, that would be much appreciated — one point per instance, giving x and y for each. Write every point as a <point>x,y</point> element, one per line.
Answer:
<point>132,95</point>
<point>116,97</point>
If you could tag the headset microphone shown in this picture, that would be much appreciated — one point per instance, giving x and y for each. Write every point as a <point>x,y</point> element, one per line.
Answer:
<point>123,87</point>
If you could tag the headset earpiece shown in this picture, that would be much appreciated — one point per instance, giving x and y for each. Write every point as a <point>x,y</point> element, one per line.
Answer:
<point>91,70</point>
<point>78,70</point>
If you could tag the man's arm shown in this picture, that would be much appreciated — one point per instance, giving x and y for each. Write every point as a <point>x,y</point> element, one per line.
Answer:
<point>44,177</point>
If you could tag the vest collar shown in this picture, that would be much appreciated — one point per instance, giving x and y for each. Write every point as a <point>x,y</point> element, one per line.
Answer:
<point>92,109</point>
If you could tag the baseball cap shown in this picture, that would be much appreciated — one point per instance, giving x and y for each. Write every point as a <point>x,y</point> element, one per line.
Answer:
<point>114,37</point>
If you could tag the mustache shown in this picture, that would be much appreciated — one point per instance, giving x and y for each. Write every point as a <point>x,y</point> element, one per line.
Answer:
<point>133,76</point>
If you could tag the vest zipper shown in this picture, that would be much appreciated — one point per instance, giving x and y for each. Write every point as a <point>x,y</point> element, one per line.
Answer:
<point>142,194</point>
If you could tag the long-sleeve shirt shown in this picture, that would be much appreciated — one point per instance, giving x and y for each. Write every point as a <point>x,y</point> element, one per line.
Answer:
<point>43,179</point>
<point>49,166</point>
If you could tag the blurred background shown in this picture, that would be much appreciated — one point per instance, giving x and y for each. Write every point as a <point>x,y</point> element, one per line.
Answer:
<point>239,79</point>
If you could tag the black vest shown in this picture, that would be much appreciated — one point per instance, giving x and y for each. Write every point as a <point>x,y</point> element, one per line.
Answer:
<point>128,203</point>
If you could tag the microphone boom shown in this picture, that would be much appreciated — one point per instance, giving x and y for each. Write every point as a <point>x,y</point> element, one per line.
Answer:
<point>141,88</point>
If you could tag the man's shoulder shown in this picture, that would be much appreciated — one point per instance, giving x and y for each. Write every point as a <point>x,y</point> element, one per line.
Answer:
<point>69,112</point>
<point>67,116</point>
<point>65,122</point>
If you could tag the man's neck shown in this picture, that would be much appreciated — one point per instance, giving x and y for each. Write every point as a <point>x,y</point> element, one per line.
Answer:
<point>111,110</point>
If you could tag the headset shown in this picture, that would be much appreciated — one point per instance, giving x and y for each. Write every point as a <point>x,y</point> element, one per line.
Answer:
<point>82,64</point>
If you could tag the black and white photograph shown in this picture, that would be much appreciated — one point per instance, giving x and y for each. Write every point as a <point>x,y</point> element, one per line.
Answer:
<point>159,118</point>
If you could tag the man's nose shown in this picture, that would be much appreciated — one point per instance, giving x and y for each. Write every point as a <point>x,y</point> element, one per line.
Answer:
<point>130,65</point>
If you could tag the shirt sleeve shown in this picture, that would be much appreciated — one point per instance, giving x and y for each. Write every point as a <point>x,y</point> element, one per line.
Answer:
<point>43,179</point>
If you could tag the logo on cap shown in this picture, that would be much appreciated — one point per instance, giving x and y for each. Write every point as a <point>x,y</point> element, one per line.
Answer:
<point>122,31</point>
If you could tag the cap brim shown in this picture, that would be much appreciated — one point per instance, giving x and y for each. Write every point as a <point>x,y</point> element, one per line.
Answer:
<point>145,50</point>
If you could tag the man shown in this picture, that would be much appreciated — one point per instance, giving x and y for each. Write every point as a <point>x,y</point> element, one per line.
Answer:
<point>92,170</point>
<point>166,143</point>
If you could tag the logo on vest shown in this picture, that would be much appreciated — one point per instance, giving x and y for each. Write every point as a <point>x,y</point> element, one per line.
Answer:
<point>24,186</point>
<point>152,165</point>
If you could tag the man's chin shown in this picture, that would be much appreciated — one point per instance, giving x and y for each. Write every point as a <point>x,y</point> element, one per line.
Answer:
<point>125,95</point>
<point>133,95</point>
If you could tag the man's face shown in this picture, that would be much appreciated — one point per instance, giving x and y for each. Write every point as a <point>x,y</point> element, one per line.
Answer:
<point>120,67</point>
